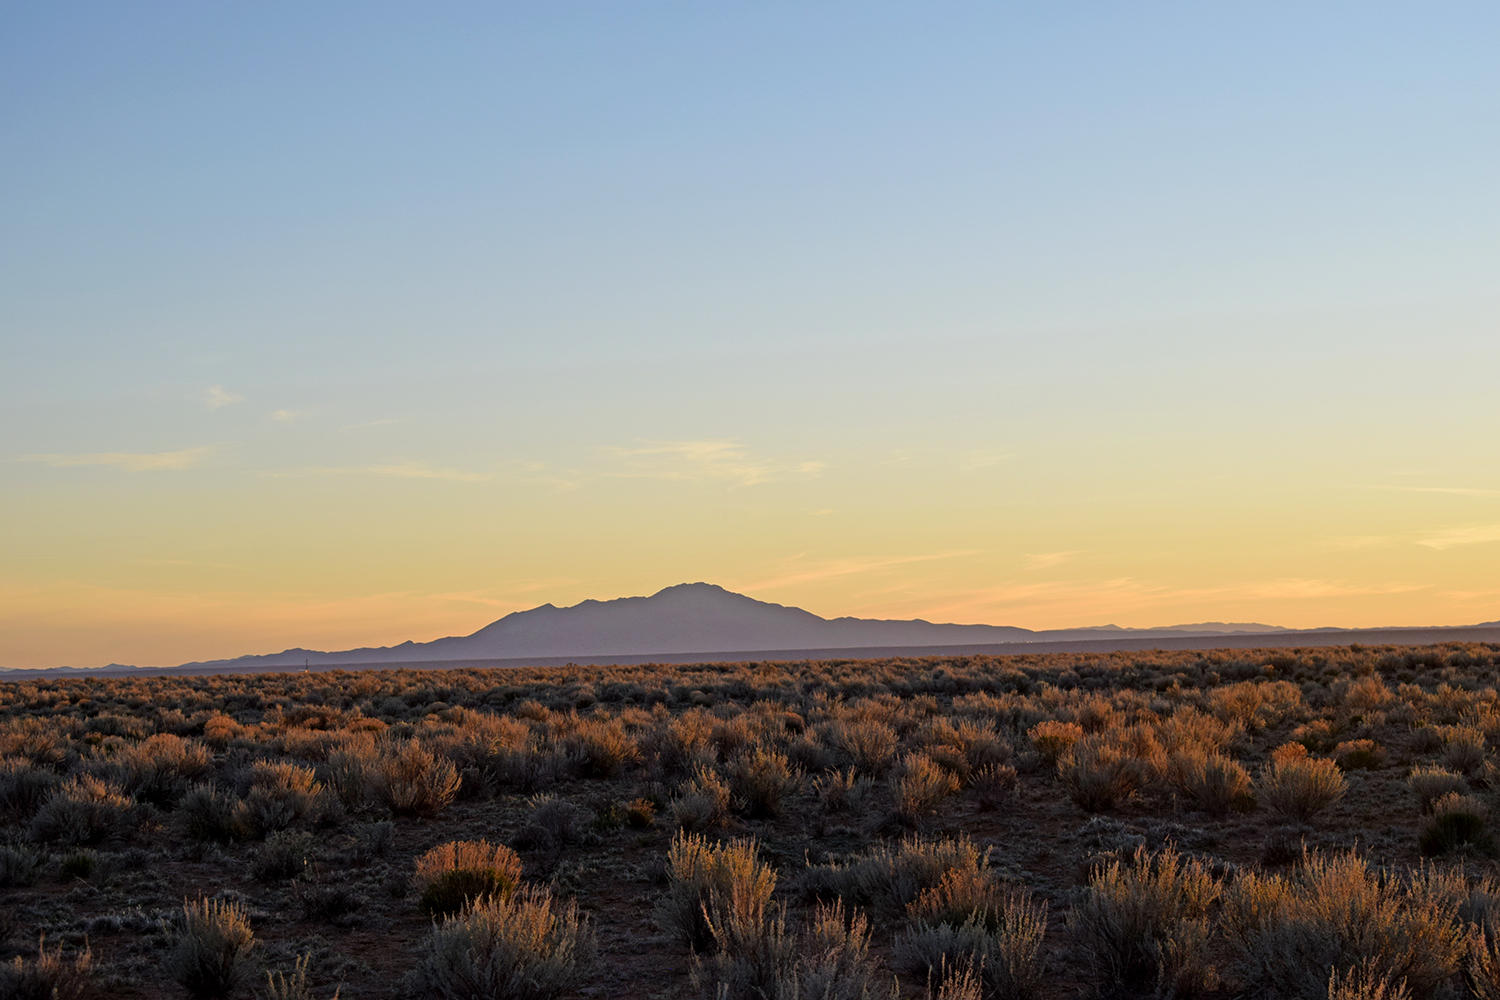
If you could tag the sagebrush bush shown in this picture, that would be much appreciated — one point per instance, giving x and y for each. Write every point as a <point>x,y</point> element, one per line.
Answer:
<point>451,876</point>
<point>1145,923</point>
<point>281,795</point>
<point>866,744</point>
<point>159,768</point>
<point>84,810</point>
<point>1002,928</point>
<point>994,785</point>
<point>919,787</point>
<point>206,813</point>
<point>1432,783</point>
<point>1298,788</point>
<point>1463,748</point>
<point>1457,822</point>
<point>19,865</point>
<point>1333,912</point>
<point>280,986</point>
<point>1052,738</point>
<point>1211,781</point>
<point>23,787</point>
<point>760,782</point>
<point>888,878</point>
<point>1365,983</point>
<point>1359,755</point>
<point>704,879</point>
<point>524,946</point>
<point>702,802</point>
<point>49,976</point>
<point>554,823</point>
<point>412,781</point>
<point>285,854</point>
<point>1098,774</point>
<point>842,791</point>
<point>213,947</point>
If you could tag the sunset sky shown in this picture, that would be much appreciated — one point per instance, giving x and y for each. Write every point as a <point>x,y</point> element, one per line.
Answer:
<point>361,324</point>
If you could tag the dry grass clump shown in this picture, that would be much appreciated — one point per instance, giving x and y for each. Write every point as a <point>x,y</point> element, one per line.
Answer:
<point>1463,748</point>
<point>1146,926</point>
<point>1333,912</point>
<point>522,946</point>
<point>451,876</point>
<point>280,986</point>
<point>84,810</point>
<point>842,791</point>
<point>212,950</point>
<point>49,976</point>
<point>725,882</point>
<point>1297,787</point>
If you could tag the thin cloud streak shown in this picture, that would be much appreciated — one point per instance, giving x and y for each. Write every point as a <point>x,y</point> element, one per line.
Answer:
<point>1452,538</point>
<point>131,461</point>
<point>830,569</point>
<point>714,460</point>
<point>398,470</point>
<point>216,397</point>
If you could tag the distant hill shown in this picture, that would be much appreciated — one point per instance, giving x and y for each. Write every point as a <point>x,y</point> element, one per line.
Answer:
<point>701,618</point>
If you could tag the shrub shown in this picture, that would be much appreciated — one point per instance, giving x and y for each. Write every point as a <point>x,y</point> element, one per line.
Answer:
<point>760,780</point>
<point>640,814</point>
<point>1098,775</point>
<point>23,787</point>
<point>49,976</point>
<point>1364,983</point>
<point>920,786</point>
<point>554,823</point>
<point>522,946</point>
<point>1299,788</point>
<point>1432,783</point>
<point>702,803</point>
<point>158,769</point>
<point>280,796</point>
<point>994,785</point>
<point>1053,738</point>
<point>1003,930</point>
<point>206,813</point>
<point>1334,913</point>
<point>890,878</point>
<point>836,963</point>
<point>211,953</point>
<point>285,854</point>
<point>1463,748</point>
<point>601,748</point>
<point>867,744</point>
<point>705,879</point>
<point>1482,964</point>
<point>1359,755</point>
<point>452,875</point>
<point>1457,822</point>
<point>18,866</point>
<point>1212,782</point>
<point>842,791</point>
<point>1146,923</point>
<point>85,810</point>
<point>280,986</point>
<point>412,781</point>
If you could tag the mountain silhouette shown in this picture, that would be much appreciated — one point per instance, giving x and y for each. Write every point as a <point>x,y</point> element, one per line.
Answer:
<point>693,618</point>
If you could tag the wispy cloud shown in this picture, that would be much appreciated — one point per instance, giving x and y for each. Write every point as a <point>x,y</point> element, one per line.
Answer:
<point>216,397</point>
<point>1456,491</point>
<point>1452,538</point>
<point>395,470</point>
<point>365,424</point>
<point>799,570</point>
<point>131,461</point>
<point>286,416</point>
<point>1046,560</point>
<point>708,460</point>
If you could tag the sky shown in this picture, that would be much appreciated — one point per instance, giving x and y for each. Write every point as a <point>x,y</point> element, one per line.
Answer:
<point>340,325</point>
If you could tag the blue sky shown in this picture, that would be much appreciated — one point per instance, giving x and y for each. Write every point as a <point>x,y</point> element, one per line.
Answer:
<point>517,249</point>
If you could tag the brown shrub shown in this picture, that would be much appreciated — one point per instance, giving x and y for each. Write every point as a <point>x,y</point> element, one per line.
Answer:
<point>1299,787</point>
<point>451,876</point>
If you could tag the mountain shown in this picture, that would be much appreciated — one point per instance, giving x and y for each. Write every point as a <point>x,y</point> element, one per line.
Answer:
<point>691,618</point>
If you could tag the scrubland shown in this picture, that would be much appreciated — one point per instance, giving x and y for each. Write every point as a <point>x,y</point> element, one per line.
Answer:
<point>1300,824</point>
